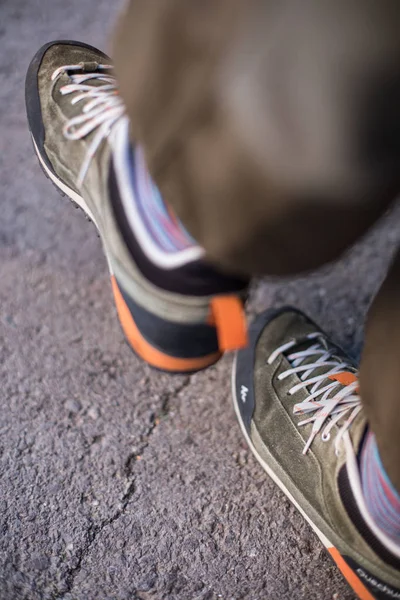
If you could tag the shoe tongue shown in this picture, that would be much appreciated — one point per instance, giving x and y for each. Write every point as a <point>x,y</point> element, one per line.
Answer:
<point>90,66</point>
<point>73,110</point>
<point>344,378</point>
<point>87,68</point>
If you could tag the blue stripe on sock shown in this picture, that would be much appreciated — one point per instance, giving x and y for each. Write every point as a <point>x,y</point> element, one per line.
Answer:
<point>382,499</point>
<point>168,233</point>
<point>382,471</point>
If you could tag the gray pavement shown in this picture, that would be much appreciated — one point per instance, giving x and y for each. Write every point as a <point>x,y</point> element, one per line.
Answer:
<point>117,482</point>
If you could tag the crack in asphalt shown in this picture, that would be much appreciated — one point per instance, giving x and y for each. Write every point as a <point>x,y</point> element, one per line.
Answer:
<point>94,530</point>
<point>162,414</point>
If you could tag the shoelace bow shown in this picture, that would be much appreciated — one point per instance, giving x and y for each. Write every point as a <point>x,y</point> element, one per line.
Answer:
<point>326,406</point>
<point>103,107</point>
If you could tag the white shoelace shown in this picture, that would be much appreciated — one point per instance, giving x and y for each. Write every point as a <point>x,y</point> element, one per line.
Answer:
<point>102,110</point>
<point>327,407</point>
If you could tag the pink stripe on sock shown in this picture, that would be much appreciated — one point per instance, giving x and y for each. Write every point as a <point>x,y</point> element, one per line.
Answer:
<point>163,226</point>
<point>382,499</point>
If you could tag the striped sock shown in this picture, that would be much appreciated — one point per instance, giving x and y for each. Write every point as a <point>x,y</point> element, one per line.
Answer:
<point>382,499</point>
<point>161,224</point>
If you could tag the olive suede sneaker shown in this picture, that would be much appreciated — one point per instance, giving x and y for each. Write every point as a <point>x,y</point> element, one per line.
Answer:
<point>178,313</point>
<point>296,398</point>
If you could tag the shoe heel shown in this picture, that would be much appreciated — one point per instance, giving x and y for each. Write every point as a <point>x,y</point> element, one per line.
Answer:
<point>167,346</point>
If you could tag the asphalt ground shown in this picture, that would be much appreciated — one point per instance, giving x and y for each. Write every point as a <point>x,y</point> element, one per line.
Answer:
<point>118,482</point>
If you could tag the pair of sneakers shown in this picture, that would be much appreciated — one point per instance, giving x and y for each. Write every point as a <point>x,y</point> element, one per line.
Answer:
<point>295,393</point>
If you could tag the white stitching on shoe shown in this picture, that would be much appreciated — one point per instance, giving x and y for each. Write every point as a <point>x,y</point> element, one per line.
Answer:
<point>102,111</point>
<point>330,406</point>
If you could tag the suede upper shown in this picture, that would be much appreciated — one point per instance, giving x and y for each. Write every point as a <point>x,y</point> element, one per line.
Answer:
<point>313,478</point>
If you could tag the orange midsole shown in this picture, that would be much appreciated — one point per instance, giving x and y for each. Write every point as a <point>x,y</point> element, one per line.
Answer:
<point>350,576</point>
<point>145,350</point>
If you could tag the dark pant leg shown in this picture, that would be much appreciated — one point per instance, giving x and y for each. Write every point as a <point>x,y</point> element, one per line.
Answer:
<point>255,211</point>
<point>380,371</point>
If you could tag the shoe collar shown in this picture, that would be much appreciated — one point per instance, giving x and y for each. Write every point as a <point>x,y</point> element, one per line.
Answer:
<point>120,143</point>
<point>355,502</point>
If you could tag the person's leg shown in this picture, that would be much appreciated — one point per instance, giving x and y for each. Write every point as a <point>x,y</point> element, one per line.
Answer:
<point>297,399</point>
<point>207,166</point>
<point>272,169</point>
<point>178,312</point>
<point>380,383</point>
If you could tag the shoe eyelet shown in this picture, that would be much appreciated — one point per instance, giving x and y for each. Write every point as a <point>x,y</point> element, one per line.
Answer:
<point>326,437</point>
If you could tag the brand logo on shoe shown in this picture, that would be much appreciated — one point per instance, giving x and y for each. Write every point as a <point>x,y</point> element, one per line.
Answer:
<point>243,393</point>
<point>379,585</point>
